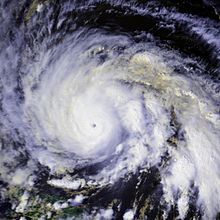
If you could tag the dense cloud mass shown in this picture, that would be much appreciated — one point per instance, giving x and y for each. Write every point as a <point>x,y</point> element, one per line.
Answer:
<point>109,110</point>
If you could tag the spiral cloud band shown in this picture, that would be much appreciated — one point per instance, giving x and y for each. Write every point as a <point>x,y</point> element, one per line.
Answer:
<point>93,97</point>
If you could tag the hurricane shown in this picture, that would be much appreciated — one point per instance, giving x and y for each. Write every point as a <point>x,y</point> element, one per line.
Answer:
<point>109,109</point>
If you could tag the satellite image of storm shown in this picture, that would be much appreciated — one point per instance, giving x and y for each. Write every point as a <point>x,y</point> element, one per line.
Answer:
<point>109,109</point>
